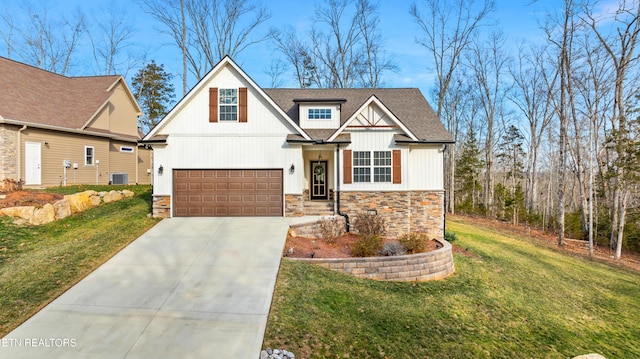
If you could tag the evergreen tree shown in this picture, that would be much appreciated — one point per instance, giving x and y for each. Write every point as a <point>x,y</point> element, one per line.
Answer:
<point>153,91</point>
<point>468,167</point>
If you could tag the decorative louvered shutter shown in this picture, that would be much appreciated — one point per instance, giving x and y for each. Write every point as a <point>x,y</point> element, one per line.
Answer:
<point>347,167</point>
<point>242,104</point>
<point>397,166</point>
<point>213,104</point>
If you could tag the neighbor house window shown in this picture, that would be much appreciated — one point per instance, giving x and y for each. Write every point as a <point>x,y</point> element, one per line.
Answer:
<point>319,114</point>
<point>363,167</point>
<point>228,102</point>
<point>89,154</point>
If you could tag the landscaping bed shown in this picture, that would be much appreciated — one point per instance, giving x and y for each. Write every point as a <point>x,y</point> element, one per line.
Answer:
<point>305,247</point>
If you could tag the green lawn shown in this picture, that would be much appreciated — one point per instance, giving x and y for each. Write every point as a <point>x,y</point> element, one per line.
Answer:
<point>513,300</point>
<point>37,264</point>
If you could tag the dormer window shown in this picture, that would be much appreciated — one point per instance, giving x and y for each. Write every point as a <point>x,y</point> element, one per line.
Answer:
<point>319,113</point>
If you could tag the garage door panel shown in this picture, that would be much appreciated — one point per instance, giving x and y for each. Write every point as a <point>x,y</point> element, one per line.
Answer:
<point>237,192</point>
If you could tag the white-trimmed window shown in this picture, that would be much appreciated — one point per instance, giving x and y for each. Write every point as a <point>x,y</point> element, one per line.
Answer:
<point>381,166</point>
<point>89,155</point>
<point>228,102</point>
<point>363,166</point>
<point>319,114</point>
<point>126,149</point>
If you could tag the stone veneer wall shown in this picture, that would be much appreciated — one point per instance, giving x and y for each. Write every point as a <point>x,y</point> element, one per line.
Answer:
<point>427,266</point>
<point>294,205</point>
<point>8,152</point>
<point>161,206</point>
<point>403,211</point>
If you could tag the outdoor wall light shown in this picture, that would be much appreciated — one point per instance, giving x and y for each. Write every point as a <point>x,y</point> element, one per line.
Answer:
<point>160,170</point>
<point>292,169</point>
<point>372,212</point>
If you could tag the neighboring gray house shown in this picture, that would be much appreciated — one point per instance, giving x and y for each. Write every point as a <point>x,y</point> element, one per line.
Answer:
<point>231,148</point>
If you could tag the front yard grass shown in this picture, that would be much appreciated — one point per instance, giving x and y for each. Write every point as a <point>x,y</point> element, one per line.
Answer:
<point>38,263</point>
<point>513,300</point>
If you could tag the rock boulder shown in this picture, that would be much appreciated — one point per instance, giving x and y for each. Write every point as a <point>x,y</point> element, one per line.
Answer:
<point>44,215</point>
<point>24,212</point>
<point>63,208</point>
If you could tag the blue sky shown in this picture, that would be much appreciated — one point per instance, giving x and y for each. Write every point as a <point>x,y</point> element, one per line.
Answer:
<point>518,19</point>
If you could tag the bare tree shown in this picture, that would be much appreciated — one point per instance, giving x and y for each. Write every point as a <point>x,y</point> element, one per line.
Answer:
<point>447,29</point>
<point>488,64</point>
<point>110,36</point>
<point>297,54</point>
<point>338,61</point>
<point>344,48</point>
<point>621,52</point>
<point>50,44</point>
<point>207,30</point>
<point>376,62</point>
<point>532,96</point>
<point>7,31</point>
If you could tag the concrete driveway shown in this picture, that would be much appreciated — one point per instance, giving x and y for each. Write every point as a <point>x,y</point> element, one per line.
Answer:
<point>188,288</point>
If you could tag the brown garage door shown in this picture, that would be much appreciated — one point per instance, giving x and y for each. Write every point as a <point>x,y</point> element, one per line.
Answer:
<point>218,193</point>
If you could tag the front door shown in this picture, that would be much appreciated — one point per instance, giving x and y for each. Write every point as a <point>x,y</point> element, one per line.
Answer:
<point>32,165</point>
<point>319,180</point>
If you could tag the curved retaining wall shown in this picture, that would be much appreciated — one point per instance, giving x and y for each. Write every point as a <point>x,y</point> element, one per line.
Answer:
<point>427,266</point>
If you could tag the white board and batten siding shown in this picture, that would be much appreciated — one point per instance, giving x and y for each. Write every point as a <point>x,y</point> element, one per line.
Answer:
<point>196,143</point>
<point>422,165</point>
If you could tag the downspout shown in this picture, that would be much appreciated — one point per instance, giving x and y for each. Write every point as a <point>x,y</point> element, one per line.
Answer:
<point>19,156</point>
<point>346,217</point>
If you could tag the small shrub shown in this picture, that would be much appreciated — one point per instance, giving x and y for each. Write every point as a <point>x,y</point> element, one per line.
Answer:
<point>329,229</point>
<point>414,242</point>
<point>369,224</point>
<point>450,236</point>
<point>11,185</point>
<point>367,246</point>
<point>392,249</point>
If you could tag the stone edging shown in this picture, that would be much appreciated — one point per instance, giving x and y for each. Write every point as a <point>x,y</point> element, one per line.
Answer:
<point>70,204</point>
<point>427,266</point>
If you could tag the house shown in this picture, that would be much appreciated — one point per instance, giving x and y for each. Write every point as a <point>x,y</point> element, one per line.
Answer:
<point>231,148</point>
<point>58,130</point>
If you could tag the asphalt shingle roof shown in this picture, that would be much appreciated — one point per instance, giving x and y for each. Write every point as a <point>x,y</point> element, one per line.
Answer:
<point>36,96</point>
<point>407,104</point>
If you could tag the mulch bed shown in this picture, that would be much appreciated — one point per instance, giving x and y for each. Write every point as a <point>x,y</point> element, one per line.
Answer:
<point>303,247</point>
<point>28,198</point>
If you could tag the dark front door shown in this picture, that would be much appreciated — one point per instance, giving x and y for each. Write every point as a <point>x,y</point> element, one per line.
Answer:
<point>319,180</point>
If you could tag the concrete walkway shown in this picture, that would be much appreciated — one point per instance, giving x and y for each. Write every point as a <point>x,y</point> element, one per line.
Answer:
<point>188,288</point>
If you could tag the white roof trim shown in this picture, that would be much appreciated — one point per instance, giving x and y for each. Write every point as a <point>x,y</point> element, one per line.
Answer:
<point>225,61</point>
<point>373,99</point>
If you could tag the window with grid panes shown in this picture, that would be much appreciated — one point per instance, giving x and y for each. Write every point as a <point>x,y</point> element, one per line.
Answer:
<point>228,102</point>
<point>361,166</point>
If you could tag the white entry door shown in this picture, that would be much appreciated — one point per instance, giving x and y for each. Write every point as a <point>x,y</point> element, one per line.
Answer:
<point>32,163</point>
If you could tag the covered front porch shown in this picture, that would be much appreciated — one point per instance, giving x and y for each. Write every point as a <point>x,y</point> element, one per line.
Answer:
<point>319,178</point>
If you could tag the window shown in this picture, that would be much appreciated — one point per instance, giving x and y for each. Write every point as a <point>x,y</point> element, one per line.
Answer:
<point>126,149</point>
<point>382,166</point>
<point>228,102</point>
<point>89,155</point>
<point>319,114</point>
<point>363,166</point>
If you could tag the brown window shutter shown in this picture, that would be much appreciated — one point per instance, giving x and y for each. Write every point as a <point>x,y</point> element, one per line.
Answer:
<point>397,166</point>
<point>242,104</point>
<point>346,166</point>
<point>213,104</point>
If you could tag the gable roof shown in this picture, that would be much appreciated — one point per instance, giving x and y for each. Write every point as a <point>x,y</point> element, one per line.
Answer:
<point>406,104</point>
<point>32,95</point>
<point>226,61</point>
